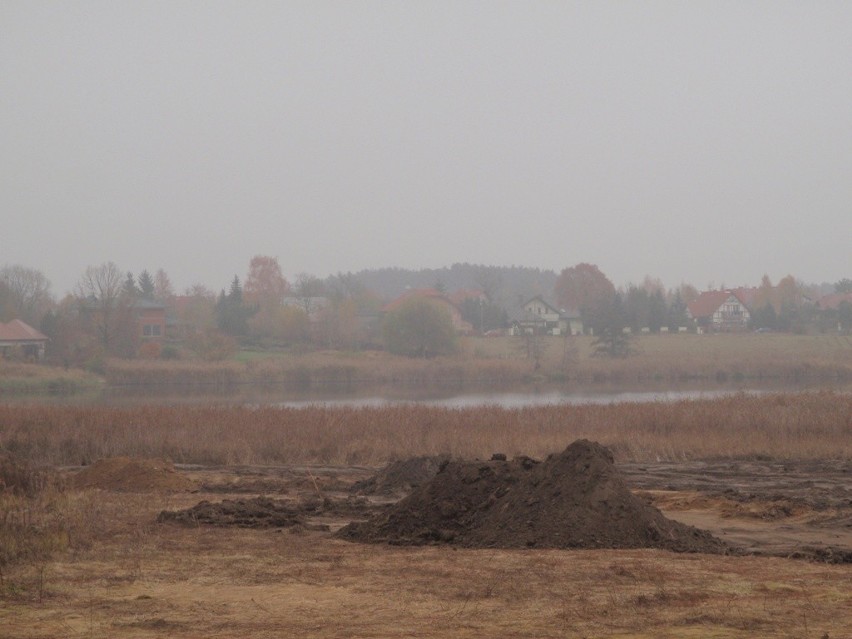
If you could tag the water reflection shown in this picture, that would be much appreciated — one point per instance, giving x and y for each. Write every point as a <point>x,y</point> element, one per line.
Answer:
<point>511,396</point>
<point>521,400</point>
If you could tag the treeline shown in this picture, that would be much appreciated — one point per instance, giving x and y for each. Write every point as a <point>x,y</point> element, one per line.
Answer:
<point>506,285</point>
<point>264,310</point>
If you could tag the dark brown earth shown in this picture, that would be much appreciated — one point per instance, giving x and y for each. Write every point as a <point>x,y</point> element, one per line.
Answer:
<point>400,477</point>
<point>266,512</point>
<point>576,499</point>
<point>789,508</point>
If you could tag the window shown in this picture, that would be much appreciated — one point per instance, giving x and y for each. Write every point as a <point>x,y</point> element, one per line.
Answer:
<point>151,330</point>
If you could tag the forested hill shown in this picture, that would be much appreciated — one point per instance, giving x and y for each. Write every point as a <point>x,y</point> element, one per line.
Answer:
<point>506,284</point>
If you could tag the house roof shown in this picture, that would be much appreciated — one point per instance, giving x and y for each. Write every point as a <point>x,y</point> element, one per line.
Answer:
<point>709,302</point>
<point>834,300</point>
<point>140,303</point>
<point>746,295</point>
<point>569,313</point>
<point>18,331</point>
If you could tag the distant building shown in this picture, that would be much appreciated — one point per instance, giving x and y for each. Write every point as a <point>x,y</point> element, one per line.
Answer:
<point>19,335</point>
<point>832,302</point>
<point>539,317</point>
<point>149,316</point>
<point>720,311</point>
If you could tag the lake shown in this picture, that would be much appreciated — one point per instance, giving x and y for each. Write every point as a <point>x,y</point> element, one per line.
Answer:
<point>512,396</point>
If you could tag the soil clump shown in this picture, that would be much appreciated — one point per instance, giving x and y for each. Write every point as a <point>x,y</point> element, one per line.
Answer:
<point>266,512</point>
<point>401,477</point>
<point>123,474</point>
<point>576,499</point>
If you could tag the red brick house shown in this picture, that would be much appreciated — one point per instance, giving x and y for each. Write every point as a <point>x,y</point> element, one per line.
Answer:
<point>19,335</point>
<point>151,319</point>
<point>149,316</point>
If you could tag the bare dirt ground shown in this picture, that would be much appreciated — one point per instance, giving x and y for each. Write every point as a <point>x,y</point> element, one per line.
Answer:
<point>279,571</point>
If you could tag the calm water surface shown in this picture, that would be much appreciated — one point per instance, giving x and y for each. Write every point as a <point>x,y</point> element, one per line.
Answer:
<point>524,399</point>
<point>507,397</point>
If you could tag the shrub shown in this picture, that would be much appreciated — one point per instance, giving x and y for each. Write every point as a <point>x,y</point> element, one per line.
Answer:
<point>419,328</point>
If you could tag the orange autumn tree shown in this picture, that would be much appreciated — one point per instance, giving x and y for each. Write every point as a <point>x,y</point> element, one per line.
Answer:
<point>265,289</point>
<point>586,289</point>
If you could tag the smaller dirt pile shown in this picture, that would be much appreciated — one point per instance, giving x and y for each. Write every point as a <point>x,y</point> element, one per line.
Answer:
<point>400,477</point>
<point>576,499</point>
<point>122,474</point>
<point>265,512</point>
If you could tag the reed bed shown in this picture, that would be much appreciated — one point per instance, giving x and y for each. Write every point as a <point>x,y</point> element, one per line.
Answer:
<point>814,425</point>
<point>318,372</point>
<point>21,378</point>
<point>669,358</point>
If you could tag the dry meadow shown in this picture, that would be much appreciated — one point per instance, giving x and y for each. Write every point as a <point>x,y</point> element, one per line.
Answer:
<point>97,563</point>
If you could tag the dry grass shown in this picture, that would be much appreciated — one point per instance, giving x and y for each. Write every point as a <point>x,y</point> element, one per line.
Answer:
<point>100,566</point>
<point>25,378</point>
<point>689,356</point>
<point>807,425</point>
<point>146,580</point>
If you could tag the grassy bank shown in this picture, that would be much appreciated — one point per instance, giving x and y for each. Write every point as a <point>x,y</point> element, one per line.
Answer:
<point>36,379</point>
<point>805,425</point>
<point>660,358</point>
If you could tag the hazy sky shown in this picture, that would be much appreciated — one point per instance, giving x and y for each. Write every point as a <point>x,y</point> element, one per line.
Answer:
<point>693,141</point>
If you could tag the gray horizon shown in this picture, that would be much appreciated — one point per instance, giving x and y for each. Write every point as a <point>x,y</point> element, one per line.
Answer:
<point>705,142</point>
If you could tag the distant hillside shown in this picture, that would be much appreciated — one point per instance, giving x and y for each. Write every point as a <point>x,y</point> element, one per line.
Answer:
<point>508,285</point>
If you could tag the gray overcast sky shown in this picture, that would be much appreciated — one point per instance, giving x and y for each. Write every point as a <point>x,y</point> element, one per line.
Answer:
<point>693,141</point>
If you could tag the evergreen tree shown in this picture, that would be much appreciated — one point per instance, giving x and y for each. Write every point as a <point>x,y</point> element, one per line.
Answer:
<point>235,295</point>
<point>611,339</point>
<point>657,312</point>
<point>129,289</point>
<point>677,316</point>
<point>146,285</point>
<point>231,314</point>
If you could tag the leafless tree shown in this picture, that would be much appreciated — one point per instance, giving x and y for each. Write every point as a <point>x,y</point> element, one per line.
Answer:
<point>28,292</point>
<point>100,290</point>
<point>307,289</point>
<point>163,290</point>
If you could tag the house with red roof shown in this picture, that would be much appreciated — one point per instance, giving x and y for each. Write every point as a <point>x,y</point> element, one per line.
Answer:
<point>19,335</point>
<point>720,311</point>
<point>833,301</point>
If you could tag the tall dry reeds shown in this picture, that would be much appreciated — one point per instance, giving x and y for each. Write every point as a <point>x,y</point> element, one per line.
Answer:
<point>806,425</point>
<point>38,518</point>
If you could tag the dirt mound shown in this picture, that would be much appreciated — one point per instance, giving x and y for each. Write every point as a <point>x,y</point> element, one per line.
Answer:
<point>400,477</point>
<point>576,499</point>
<point>264,512</point>
<point>123,474</point>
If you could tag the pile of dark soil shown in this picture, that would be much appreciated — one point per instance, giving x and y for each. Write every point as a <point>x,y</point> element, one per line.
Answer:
<point>576,499</point>
<point>260,512</point>
<point>123,474</point>
<point>265,512</point>
<point>400,477</point>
